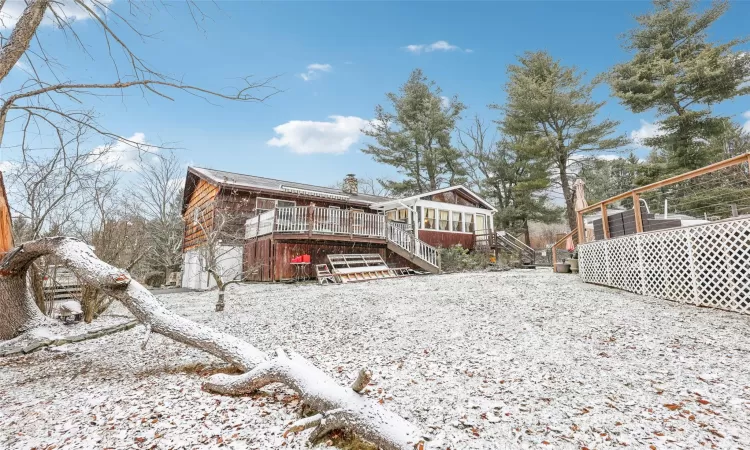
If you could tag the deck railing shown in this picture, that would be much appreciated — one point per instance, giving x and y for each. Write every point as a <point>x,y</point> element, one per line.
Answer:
<point>408,242</point>
<point>318,220</point>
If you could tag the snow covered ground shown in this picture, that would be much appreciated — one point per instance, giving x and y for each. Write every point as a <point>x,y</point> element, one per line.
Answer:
<point>519,359</point>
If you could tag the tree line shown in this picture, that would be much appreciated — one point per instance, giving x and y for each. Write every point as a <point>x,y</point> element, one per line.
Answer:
<point>549,131</point>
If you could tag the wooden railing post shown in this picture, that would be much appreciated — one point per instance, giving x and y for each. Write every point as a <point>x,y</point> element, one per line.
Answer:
<point>581,230</point>
<point>605,221</point>
<point>637,212</point>
<point>310,219</point>
<point>554,258</point>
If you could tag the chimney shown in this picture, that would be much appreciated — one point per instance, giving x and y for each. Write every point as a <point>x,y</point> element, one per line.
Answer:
<point>351,186</point>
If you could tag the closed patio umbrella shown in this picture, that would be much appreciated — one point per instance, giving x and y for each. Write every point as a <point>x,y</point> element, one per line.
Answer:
<point>580,197</point>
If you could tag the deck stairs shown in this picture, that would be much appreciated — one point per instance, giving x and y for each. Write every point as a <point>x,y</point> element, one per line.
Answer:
<point>403,243</point>
<point>505,242</point>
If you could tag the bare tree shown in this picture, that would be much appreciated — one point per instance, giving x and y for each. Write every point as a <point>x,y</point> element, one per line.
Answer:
<point>159,194</point>
<point>338,407</point>
<point>220,249</point>
<point>43,102</point>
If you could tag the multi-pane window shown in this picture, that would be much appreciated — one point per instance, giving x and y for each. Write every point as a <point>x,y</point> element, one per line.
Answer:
<point>403,215</point>
<point>429,218</point>
<point>267,204</point>
<point>444,220</point>
<point>470,223</point>
<point>458,221</point>
<point>390,215</point>
<point>481,222</point>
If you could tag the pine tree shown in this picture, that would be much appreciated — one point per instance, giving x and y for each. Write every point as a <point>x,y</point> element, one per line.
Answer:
<point>512,175</point>
<point>677,72</point>
<point>416,137</point>
<point>552,107</point>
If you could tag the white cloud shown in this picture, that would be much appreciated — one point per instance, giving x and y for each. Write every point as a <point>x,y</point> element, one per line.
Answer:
<point>437,46</point>
<point>7,166</point>
<point>69,10</point>
<point>307,137</point>
<point>647,130</point>
<point>445,102</point>
<point>314,70</point>
<point>127,155</point>
<point>746,126</point>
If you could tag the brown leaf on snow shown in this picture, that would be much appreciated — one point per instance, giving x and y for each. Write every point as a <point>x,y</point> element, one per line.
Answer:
<point>671,406</point>
<point>702,401</point>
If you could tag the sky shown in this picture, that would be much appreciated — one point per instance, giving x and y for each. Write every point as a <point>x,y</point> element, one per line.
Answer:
<point>333,62</point>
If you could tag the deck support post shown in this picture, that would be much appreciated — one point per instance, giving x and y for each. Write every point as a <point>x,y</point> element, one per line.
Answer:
<point>605,221</point>
<point>581,230</point>
<point>310,219</point>
<point>637,211</point>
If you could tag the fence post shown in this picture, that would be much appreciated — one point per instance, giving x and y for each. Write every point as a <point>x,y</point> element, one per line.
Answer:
<point>605,221</point>
<point>581,230</point>
<point>637,212</point>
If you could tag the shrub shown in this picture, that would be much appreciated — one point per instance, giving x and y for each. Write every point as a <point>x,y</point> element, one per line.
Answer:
<point>459,259</point>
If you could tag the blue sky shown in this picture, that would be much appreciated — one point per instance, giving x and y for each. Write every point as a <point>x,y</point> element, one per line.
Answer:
<point>335,61</point>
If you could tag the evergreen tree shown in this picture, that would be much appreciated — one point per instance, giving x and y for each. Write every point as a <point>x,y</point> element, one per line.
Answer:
<point>606,178</point>
<point>416,137</point>
<point>677,72</point>
<point>552,107</point>
<point>512,175</point>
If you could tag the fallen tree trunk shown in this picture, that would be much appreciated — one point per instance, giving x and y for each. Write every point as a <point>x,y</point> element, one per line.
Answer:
<point>340,407</point>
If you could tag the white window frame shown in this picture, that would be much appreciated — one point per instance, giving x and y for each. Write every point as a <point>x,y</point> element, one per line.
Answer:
<point>275,203</point>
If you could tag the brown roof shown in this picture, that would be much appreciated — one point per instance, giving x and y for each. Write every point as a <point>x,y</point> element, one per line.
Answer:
<point>252,182</point>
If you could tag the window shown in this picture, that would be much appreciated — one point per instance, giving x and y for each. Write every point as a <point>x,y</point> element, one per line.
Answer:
<point>266,204</point>
<point>470,223</point>
<point>481,222</point>
<point>429,218</point>
<point>444,220</point>
<point>403,215</point>
<point>390,215</point>
<point>458,221</point>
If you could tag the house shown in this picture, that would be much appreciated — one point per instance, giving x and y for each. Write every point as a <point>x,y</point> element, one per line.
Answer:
<point>267,222</point>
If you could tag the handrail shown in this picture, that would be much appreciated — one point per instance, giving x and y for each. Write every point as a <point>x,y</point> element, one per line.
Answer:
<point>556,244</point>
<point>739,159</point>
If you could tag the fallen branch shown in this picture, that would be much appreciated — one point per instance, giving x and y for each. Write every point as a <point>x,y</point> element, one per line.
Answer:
<point>341,407</point>
<point>363,379</point>
<point>38,345</point>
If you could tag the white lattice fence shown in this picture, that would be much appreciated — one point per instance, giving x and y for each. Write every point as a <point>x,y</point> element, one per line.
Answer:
<point>705,265</point>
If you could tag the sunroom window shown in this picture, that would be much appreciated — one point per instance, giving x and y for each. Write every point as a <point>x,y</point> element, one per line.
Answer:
<point>429,218</point>
<point>444,220</point>
<point>458,221</point>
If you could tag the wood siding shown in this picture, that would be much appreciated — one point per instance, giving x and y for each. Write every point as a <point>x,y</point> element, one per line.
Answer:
<point>6,231</point>
<point>202,199</point>
<point>446,239</point>
<point>272,257</point>
<point>455,197</point>
<point>238,205</point>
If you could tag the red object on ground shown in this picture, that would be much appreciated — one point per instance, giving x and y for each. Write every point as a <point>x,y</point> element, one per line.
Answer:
<point>306,258</point>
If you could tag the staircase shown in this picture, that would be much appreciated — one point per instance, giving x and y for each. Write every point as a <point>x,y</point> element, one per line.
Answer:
<point>404,244</point>
<point>514,246</point>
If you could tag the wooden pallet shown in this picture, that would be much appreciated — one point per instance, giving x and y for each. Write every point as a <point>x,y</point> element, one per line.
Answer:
<point>364,267</point>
